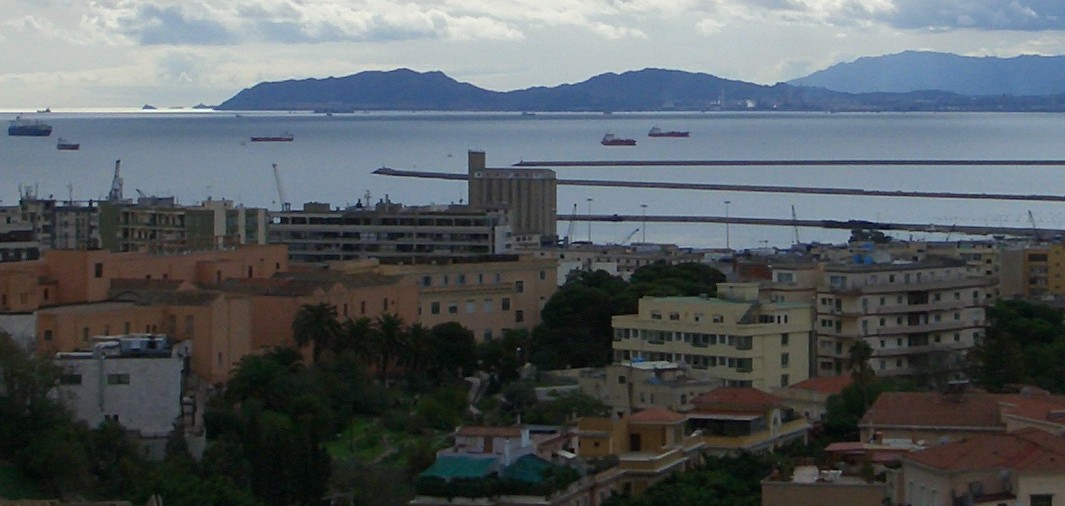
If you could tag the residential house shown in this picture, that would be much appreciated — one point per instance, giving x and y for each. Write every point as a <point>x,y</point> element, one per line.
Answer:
<point>732,419</point>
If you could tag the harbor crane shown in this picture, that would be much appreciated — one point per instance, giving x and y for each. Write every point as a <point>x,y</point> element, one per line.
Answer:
<point>572,223</point>
<point>285,205</point>
<point>628,237</point>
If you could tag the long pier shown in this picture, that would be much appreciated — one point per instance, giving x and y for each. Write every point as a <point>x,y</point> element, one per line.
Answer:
<point>810,190</point>
<point>824,224</point>
<point>886,162</point>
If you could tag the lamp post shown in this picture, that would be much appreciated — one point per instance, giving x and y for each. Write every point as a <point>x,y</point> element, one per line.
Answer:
<point>589,199</point>
<point>643,229</point>
<point>728,244</point>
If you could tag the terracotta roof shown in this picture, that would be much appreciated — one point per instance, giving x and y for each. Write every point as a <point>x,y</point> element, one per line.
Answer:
<point>829,385</point>
<point>1024,450</point>
<point>737,397</point>
<point>976,410</point>
<point>932,409</point>
<point>656,414</point>
<point>483,431</point>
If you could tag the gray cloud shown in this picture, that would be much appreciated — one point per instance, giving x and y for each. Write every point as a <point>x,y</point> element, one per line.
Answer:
<point>152,25</point>
<point>1023,15</point>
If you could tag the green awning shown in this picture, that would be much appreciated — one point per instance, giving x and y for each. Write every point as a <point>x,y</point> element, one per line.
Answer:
<point>448,467</point>
<point>528,468</point>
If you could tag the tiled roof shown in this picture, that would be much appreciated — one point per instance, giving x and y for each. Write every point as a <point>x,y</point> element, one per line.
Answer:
<point>829,385</point>
<point>932,409</point>
<point>656,414</point>
<point>483,431</point>
<point>1024,450</point>
<point>976,410</point>
<point>736,396</point>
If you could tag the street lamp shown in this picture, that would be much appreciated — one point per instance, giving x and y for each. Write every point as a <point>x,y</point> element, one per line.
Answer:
<point>728,245</point>
<point>643,229</point>
<point>589,199</point>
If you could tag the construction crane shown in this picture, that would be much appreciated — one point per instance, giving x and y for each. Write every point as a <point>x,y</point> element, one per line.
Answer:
<point>629,237</point>
<point>1035,230</point>
<point>572,223</point>
<point>115,194</point>
<point>285,205</point>
<point>795,223</point>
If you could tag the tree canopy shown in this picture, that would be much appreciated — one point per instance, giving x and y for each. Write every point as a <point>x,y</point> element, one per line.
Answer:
<point>1024,344</point>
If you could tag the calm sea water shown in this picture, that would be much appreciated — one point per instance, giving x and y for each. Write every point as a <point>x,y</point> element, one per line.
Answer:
<point>196,155</point>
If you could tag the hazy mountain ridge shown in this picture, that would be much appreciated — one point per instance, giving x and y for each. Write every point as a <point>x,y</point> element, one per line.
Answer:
<point>640,90</point>
<point>965,75</point>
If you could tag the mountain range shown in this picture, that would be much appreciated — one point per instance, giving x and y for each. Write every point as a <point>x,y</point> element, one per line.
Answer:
<point>910,81</point>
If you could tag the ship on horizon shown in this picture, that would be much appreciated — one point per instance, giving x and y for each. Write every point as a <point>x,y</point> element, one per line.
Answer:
<point>29,128</point>
<point>658,132</point>
<point>284,137</point>
<point>613,140</point>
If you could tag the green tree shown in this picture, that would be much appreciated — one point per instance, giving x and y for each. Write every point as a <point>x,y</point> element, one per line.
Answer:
<point>390,337</point>
<point>454,351</point>
<point>1024,344</point>
<point>684,279</point>
<point>316,325</point>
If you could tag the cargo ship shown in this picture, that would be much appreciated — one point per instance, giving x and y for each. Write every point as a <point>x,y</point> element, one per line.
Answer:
<point>613,140</point>
<point>284,137</point>
<point>65,145</point>
<point>31,128</point>
<point>658,132</point>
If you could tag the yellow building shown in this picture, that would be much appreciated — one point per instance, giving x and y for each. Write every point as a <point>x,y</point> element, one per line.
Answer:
<point>487,294</point>
<point>918,317</point>
<point>1034,272</point>
<point>734,337</point>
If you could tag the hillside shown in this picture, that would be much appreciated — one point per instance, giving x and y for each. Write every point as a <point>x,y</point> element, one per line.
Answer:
<point>918,70</point>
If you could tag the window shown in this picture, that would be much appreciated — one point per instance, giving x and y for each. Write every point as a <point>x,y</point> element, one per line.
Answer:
<point>784,361</point>
<point>674,316</point>
<point>69,379</point>
<point>434,308</point>
<point>427,281</point>
<point>621,380</point>
<point>452,308</point>
<point>460,279</point>
<point>519,316</point>
<point>504,304</point>
<point>98,270</point>
<point>543,275</point>
<point>85,334</point>
<point>718,318</point>
<point>487,305</point>
<point>471,306</point>
<point>118,379</point>
<point>519,286</point>
<point>656,315</point>
<point>784,339</point>
<point>1041,500</point>
<point>784,380</point>
<point>48,335</point>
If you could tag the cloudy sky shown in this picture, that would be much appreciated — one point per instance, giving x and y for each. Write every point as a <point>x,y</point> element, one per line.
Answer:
<point>124,53</point>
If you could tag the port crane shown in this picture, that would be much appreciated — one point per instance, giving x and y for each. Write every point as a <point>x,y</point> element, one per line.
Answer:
<point>572,223</point>
<point>628,237</point>
<point>285,205</point>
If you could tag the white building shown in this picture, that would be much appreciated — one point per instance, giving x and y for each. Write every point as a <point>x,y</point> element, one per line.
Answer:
<point>133,379</point>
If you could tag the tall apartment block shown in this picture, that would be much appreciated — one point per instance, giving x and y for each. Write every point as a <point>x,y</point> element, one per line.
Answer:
<point>389,230</point>
<point>736,337</point>
<point>159,224</point>
<point>528,195</point>
<point>918,317</point>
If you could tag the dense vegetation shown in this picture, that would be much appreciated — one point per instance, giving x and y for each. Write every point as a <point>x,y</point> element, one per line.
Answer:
<point>1024,345</point>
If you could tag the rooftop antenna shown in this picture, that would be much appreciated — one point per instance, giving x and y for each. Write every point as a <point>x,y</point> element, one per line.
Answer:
<point>116,185</point>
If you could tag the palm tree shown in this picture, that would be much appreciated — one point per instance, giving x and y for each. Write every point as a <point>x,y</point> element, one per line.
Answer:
<point>316,324</point>
<point>357,336</point>
<point>390,338</point>
<point>418,356</point>
<point>863,374</point>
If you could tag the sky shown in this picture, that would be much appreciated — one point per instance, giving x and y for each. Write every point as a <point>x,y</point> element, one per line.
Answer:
<point>179,53</point>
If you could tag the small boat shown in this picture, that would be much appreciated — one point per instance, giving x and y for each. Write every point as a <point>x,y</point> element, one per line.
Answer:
<point>29,128</point>
<point>613,140</point>
<point>658,132</point>
<point>284,137</point>
<point>65,145</point>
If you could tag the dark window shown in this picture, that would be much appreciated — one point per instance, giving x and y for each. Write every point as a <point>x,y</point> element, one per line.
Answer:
<point>519,315</point>
<point>519,286</point>
<point>98,270</point>
<point>117,379</point>
<point>434,308</point>
<point>69,379</point>
<point>48,335</point>
<point>504,304</point>
<point>1041,500</point>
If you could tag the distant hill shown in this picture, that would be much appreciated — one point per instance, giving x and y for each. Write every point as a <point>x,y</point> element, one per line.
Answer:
<point>640,90</point>
<point>403,89</point>
<point>964,75</point>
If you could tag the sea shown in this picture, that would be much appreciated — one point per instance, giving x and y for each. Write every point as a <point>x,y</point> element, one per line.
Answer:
<point>195,155</point>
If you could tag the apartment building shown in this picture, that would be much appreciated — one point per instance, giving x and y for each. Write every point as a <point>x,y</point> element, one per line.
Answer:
<point>1032,272</point>
<point>619,260</point>
<point>632,386</point>
<point>487,294</point>
<point>159,224</point>
<point>388,230</point>
<point>735,336</point>
<point>919,318</point>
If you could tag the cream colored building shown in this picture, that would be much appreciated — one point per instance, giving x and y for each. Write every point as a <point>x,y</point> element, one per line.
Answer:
<point>918,317</point>
<point>632,386</point>
<point>735,337</point>
<point>487,294</point>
